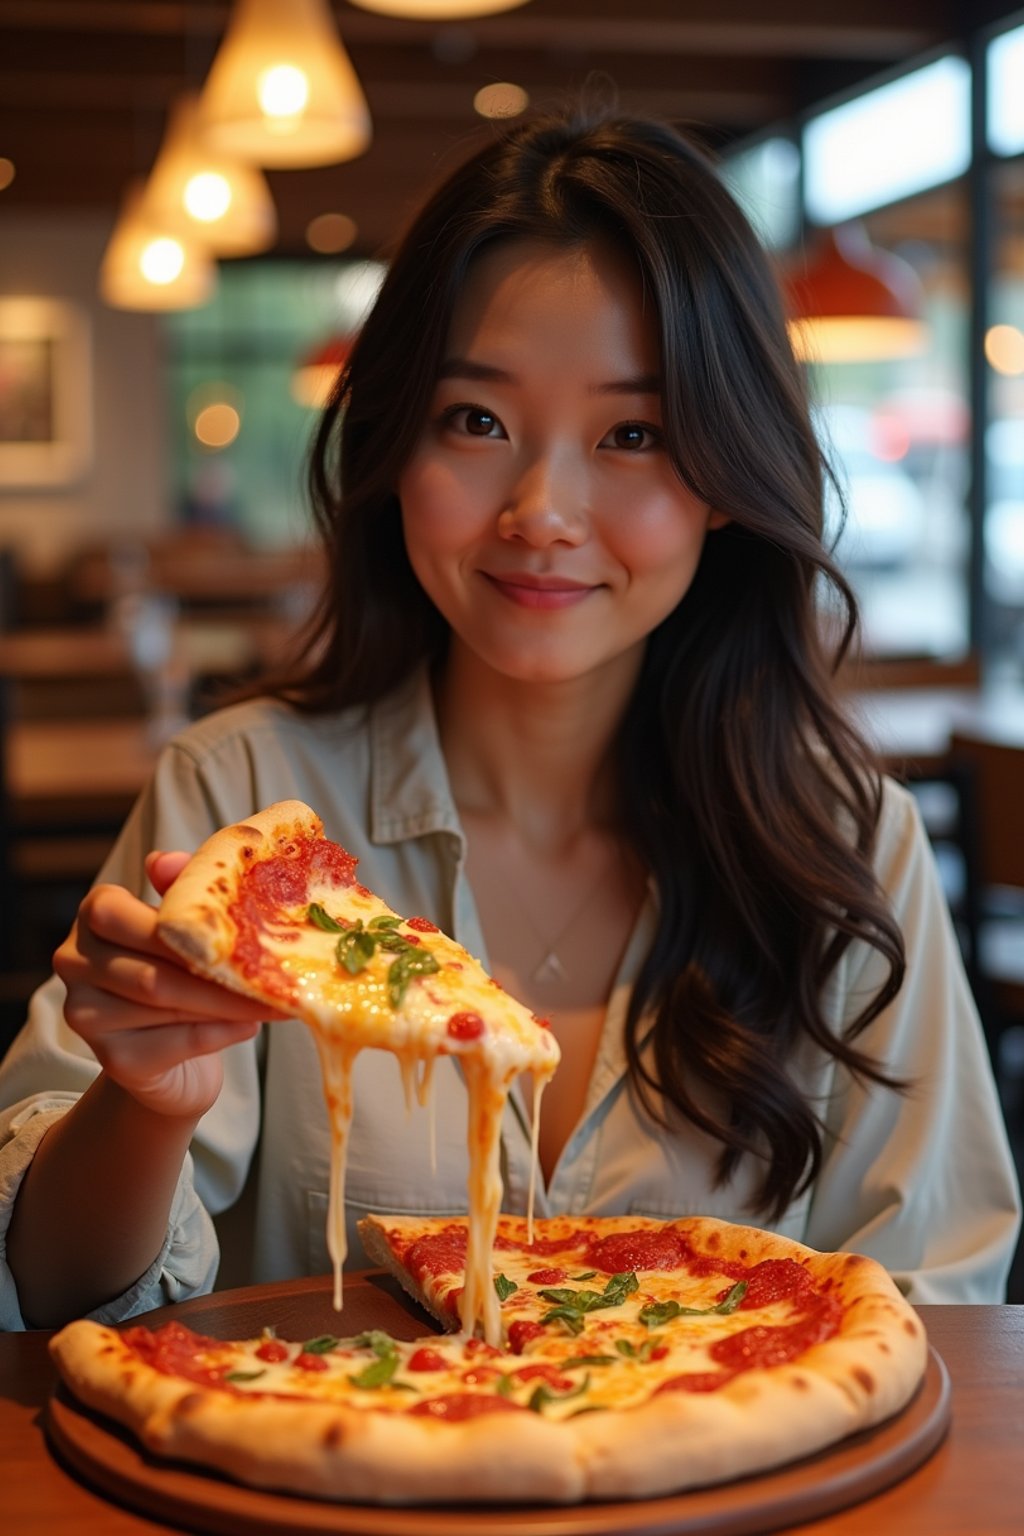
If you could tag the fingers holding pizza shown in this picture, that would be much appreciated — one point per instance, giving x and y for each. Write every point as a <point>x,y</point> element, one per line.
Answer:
<point>156,1028</point>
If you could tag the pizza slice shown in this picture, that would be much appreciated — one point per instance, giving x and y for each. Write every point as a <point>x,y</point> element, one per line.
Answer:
<point>643,1307</point>
<point>270,907</point>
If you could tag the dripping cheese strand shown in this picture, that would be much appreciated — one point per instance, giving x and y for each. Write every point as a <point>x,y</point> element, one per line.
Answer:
<point>407,1063</point>
<point>428,1101</point>
<point>540,1080</point>
<point>488,1087</point>
<point>336,1059</point>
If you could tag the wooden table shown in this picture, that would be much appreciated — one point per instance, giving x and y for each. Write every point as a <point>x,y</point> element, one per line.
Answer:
<point>972,1485</point>
<point>75,671</point>
<point>913,727</point>
<point>206,644</point>
<point>68,770</point>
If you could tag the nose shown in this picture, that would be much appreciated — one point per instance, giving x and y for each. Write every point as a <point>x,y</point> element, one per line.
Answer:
<point>547,502</point>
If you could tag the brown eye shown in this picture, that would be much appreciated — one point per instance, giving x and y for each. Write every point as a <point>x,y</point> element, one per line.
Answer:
<point>630,435</point>
<point>480,423</point>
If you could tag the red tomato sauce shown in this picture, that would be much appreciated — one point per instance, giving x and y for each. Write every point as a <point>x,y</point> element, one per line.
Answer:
<point>176,1351</point>
<point>465,1026</point>
<point>767,1345</point>
<point>775,1280</point>
<point>643,1249</point>
<point>440,1253</point>
<point>521,1332</point>
<point>273,886</point>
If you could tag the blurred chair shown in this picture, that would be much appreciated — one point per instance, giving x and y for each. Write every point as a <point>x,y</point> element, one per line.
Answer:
<point>18,977</point>
<point>992,780</point>
<point>8,588</point>
<point>938,786</point>
<point>46,866</point>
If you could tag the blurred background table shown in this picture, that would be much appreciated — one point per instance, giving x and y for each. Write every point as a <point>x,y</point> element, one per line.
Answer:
<point>913,728</point>
<point>74,670</point>
<point>85,770</point>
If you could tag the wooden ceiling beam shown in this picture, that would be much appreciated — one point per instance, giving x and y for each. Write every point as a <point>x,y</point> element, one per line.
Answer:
<point>864,29</point>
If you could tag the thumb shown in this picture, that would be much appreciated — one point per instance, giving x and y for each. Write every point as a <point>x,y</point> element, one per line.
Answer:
<point>164,868</point>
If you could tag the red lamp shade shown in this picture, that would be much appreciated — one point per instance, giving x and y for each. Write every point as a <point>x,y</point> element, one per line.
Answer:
<point>852,302</point>
<point>317,373</point>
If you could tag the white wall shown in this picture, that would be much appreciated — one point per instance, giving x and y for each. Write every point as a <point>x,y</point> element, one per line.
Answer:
<point>124,489</point>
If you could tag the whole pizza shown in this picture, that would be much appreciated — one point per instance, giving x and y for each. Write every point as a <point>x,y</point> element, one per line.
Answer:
<point>584,1357</point>
<point>638,1358</point>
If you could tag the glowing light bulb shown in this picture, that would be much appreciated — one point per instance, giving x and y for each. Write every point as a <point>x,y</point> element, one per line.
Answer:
<point>161,260</point>
<point>283,91</point>
<point>207,196</point>
<point>501,99</point>
<point>1004,348</point>
<point>217,424</point>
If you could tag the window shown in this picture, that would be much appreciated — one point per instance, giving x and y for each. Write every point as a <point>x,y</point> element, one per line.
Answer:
<point>765,180</point>
<point>1003,528</point>
<point>898,431</point>
<point>1006,93</point>
<point>888,143</point>
<point>235,357</point>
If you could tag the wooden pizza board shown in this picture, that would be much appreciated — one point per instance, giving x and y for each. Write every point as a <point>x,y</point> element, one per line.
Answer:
<point>110,1459</point>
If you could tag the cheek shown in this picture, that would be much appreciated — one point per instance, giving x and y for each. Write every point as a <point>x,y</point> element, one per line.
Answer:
<point>662,535</point>
<point>438,513</point>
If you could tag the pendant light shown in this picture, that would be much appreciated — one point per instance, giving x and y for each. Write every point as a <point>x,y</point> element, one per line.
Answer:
<point>315,377</point>
<point>207,195</point>
<point>854,303</point>
<point>145,267</point>
<point>281,90</point>
<point>438,10</point>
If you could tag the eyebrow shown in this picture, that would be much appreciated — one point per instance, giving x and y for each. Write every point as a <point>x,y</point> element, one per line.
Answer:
<point>486,373</point>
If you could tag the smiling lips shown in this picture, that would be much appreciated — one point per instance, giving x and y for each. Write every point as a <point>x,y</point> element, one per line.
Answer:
<point>540,591</point>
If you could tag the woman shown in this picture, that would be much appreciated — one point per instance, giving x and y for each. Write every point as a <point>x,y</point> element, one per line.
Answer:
<point>566,694</point>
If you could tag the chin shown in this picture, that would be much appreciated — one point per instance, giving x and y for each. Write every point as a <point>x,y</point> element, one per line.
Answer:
<point>519,665</point>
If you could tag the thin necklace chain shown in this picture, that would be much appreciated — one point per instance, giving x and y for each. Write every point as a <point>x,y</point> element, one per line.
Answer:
<point>551,968</point>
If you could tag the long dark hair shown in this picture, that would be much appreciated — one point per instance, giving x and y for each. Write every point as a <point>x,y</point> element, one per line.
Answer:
<point>744,789</point>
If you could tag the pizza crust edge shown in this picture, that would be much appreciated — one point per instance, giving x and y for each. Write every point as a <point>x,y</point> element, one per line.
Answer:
<point>193,919</point>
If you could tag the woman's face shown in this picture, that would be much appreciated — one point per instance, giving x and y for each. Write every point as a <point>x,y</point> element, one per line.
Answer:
<point>542,514</point>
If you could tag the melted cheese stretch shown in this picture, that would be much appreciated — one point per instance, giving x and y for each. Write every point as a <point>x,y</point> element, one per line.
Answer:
<point>347,1012</point>
<point>488,1095</point>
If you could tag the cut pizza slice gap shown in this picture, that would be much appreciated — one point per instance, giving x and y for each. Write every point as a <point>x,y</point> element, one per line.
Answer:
<point>272,908</point>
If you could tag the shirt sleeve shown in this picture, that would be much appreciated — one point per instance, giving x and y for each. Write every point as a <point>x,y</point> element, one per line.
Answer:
<point>49,1066</point>
<point>921,1180</point>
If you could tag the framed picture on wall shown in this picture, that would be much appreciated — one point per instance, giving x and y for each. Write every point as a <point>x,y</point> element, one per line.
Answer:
<point>45,394</point>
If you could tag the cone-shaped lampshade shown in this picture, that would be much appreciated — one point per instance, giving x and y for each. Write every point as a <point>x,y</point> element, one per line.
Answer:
<point>316,375</point>
<point>206,195</point>
<point>144,267</point>
<point>281,90</point>
<point>854,303</point>
<point>438,10</point>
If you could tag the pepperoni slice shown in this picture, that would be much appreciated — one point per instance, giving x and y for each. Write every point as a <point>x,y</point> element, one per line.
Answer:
<point>426,1359</point>
<point>645,1248</point>
<point>521,1332</point>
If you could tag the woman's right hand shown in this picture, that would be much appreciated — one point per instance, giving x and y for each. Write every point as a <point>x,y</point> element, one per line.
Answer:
<point>155,1029</point>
